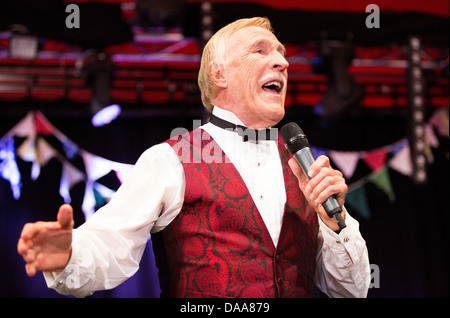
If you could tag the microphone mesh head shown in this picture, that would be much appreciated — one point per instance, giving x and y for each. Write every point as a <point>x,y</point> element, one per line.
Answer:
<point>293,137</point>
<point>289,130</point>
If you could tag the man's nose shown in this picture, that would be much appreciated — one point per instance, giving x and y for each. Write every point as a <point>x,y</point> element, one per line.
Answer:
<point>279,62</point>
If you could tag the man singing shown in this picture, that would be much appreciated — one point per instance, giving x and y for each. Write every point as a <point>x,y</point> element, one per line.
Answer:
<point>246,224</point>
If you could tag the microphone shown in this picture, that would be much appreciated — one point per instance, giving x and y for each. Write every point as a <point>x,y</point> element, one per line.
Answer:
<point>296,143</point>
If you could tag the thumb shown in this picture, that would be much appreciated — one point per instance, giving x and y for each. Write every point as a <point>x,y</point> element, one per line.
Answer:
<point>298,172</point>
<point>65,217</point>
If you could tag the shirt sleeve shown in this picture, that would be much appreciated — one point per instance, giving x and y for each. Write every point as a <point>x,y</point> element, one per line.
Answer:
<point>107,248</point>
<point>343,268</point>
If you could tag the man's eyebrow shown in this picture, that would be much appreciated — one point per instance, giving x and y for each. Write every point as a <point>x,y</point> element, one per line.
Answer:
<point>280,48</point>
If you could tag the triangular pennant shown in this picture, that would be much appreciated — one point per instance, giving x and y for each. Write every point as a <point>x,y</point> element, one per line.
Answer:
<point>38,152</point>
<point>440,121</point>
<point>27,150</point>
<point>8,166</point>
<point>35,170</point>
<point>92,194</point>
<point>99,199</point>
<point>401,162</point>
<point>357,199</point>
<point>70,148</point>
<point>375,159</point>
<point>382,181</point>
<point>398,146</point>
<point>88,205</point>
<point>96,167</point>
<point>346,161</point>
<point>430,136</point>
<point>69,177</point>
<point>44,152</point>
<point>24,128</point>
<point>102,194</point>
<point>42,125</point>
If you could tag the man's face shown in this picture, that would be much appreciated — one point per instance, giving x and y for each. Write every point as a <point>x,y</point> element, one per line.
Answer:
<point>256,74</point>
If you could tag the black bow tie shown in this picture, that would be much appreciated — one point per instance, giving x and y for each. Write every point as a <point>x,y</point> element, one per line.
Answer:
<point>244,132</point>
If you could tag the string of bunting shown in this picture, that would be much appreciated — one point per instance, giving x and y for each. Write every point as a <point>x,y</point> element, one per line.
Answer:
<point>38,151</point>
<point>395,156</point>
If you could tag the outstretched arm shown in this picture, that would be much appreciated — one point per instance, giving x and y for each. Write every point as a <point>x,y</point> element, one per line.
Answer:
<point>46,246</point>
<point>106,250</point>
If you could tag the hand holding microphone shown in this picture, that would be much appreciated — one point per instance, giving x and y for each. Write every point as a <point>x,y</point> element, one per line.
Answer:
<point>325,188</point>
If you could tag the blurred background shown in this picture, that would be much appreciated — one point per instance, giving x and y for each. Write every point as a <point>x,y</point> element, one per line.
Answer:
<point>368,84</point>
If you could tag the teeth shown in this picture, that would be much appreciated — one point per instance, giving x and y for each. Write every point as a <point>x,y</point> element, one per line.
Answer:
<point>276,84</point>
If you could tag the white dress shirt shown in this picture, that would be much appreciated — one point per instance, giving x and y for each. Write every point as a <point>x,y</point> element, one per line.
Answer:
<point>107,249</point>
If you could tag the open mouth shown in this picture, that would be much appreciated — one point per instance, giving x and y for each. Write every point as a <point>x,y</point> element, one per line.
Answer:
<point>273,86</point>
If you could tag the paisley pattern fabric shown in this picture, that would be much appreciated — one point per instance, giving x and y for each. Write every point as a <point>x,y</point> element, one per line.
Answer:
<point>219,246</point>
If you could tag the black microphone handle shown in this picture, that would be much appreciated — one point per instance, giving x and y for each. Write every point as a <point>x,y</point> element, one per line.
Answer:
<point>305,159</point>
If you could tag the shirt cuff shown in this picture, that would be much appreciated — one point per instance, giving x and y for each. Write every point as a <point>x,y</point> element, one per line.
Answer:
<point>344,242</point>
<point>67,282</point>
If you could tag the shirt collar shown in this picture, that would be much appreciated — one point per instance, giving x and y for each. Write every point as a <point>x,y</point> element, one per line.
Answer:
<point>239,127</point>
<point>227,115</point>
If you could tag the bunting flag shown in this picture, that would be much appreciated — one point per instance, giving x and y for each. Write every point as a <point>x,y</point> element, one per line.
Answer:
<point>376,159</point>
<point>357,199</point>
<point>69,147</point>
<point>346,161</point>
<point>395,156</point>
<point>25,128</point>
<point>8,166</point>
<point>42,125</point>
<point>44,152</point>
<point>70,177</point>
<point>96,167</point>
<point>401,162</point>
<point>102,194</point>
<point>382,181</point>
<point>440,121</point>
<point>27,152</point>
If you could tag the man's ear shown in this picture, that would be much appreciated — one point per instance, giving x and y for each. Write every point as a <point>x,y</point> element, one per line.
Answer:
<point>217,75</point>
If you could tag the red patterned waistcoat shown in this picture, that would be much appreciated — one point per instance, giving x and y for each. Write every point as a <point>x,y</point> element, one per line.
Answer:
<point>219,246</point>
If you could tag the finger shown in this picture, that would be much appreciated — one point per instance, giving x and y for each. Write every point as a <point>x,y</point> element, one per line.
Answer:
<point>23,246</point>
<point>297,170</point>
<point>30,256</point>
<point>65,217</point>
<point>326,183</point>
<point>29,230</point>
<point>30,268</point>
<point>319,176</point>
<point>337,189</point>
<point>321,162</point>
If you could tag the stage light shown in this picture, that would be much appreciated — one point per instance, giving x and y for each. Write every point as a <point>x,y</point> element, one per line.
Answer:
<point>343,92</point>
<point>106,115</point>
